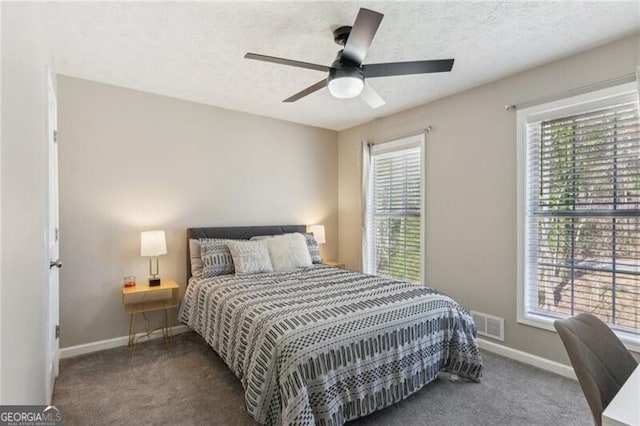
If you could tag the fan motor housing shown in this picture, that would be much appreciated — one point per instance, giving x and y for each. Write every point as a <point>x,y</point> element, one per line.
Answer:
<point>340,72</point>
<point>340,62</point>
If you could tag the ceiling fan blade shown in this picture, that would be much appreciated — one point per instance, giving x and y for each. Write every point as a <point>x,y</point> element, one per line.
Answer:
<point>361,35</point>
<point>309,90</point>
<point>405,68</point>
<point>289,62</point>
<point>371,97</point>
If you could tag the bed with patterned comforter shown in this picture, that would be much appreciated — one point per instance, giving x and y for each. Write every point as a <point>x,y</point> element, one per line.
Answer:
<point>323,345</point>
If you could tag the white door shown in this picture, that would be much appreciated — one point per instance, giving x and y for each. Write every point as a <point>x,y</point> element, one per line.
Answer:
<point>53,241</point>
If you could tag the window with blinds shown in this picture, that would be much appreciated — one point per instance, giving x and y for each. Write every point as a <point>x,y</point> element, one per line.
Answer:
<point>394,210</point>
<point>582,225</point>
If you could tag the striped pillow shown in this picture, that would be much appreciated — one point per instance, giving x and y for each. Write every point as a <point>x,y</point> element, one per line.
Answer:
<point>216,258</point>
<point>196,256</point>
<point>314,251</point>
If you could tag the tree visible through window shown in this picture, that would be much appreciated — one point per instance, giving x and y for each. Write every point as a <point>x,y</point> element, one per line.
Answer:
<point>583,214</point>
<point>394,210</point>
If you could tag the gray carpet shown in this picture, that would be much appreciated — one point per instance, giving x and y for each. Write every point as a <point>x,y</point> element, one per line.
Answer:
<point>190,384</point>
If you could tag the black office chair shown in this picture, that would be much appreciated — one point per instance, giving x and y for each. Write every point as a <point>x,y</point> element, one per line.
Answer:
<point>600,360</point>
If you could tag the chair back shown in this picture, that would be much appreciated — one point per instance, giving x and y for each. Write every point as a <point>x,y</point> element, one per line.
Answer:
<point>600,360</point>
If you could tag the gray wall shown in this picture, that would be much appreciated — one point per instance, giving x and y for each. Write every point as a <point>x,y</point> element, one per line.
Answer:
<point>470,201</point>
<point>132,161</point>
<point>24,184</point>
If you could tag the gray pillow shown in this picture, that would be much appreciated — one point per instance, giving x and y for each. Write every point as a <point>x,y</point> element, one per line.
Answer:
<point>216,258</point>
<point>250,257</point>
<point>314,251</point>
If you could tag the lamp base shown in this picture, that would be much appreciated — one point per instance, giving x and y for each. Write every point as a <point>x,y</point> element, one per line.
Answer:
<point>154,281</point>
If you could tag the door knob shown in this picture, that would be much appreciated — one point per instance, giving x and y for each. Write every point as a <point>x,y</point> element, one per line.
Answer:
<point>56,263</point>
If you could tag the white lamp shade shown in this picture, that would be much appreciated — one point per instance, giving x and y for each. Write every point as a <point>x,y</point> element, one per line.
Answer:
<point>152,243</point>
<point>318,233</point>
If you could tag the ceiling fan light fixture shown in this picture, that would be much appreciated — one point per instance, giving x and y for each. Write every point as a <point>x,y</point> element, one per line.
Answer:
<point>345,83</point>
<point>347,73</point>
<point>346,87</point>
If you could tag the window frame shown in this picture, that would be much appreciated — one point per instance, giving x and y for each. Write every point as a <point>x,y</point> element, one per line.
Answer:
<point>547,111</point>
<point>393,145</point>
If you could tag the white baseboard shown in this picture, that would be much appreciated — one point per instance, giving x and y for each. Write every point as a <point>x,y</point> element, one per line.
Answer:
<point>527,358</point>
<point>101,345</point>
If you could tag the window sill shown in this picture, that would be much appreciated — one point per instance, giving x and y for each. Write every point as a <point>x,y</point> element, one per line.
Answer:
<point>630,341</point>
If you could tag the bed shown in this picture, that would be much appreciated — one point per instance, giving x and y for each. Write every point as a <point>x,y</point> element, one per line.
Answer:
<point>323,345</point>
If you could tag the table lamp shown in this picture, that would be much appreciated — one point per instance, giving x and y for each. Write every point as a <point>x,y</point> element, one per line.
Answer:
<point>318,233</point>
<point>153,244</point>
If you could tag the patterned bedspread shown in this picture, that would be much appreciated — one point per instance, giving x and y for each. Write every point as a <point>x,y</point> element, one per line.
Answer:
<point>324,345</point>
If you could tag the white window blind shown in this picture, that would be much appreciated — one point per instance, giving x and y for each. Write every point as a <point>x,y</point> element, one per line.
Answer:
<point>394,210</point>
<point>582,225</point>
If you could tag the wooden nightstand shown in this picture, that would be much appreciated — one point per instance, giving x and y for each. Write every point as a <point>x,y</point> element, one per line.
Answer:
<point>334,263</point>
<point>142,299</point>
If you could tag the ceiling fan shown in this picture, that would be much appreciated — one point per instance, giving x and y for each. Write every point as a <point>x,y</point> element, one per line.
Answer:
<point>347,74</point>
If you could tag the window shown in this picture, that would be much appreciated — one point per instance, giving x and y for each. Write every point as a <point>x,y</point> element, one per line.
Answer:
<point>579,210</point>
<point>393,234</point>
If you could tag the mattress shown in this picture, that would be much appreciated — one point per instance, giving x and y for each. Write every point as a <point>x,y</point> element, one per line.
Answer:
<point>323,345</point>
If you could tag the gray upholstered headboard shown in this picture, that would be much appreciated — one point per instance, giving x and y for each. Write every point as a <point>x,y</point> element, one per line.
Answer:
<point>237,233</point>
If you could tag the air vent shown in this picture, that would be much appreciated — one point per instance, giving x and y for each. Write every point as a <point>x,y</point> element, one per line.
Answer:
<point>488,325</point>
<point>481,322</point>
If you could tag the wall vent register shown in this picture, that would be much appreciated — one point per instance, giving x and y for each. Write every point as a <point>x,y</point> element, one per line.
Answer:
<point>489,325</point>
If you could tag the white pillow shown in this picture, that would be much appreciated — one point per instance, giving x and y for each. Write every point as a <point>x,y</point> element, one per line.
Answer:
<point>250,257</point>
<point>196,256</point>
<point>288,252</point>
<point>196,260</point>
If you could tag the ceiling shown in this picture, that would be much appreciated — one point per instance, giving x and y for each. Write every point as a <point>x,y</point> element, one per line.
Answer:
<point>194,51</point>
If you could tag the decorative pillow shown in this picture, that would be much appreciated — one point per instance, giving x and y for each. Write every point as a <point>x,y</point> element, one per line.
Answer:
<point>196,256</point>
<point>216,258</point>
<point>314,251</point>
<point>288,252</point>
<point>250,257</point>
<point>196,260</point>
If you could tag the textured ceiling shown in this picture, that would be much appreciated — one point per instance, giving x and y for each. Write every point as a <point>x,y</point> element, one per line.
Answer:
<point>194,51</point>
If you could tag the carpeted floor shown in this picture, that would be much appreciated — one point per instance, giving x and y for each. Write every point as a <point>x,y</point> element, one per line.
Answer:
<point>190,385</point>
